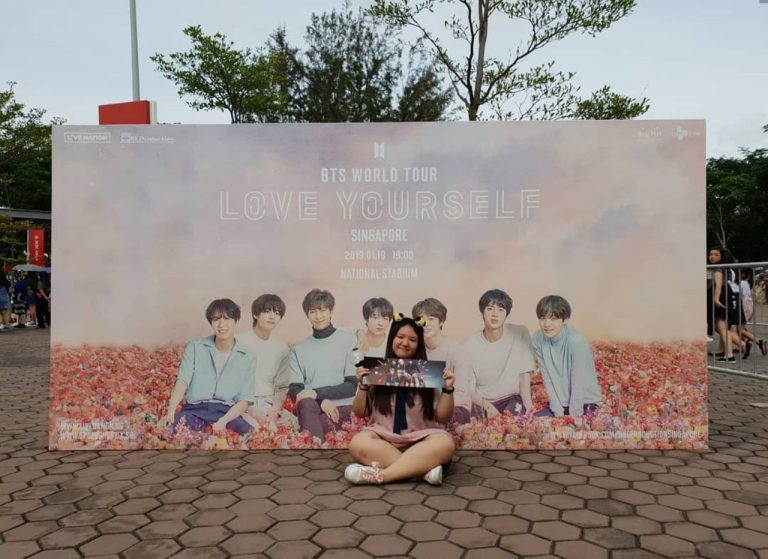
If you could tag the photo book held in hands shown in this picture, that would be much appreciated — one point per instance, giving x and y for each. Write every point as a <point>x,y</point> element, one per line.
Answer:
<point>411,373</point>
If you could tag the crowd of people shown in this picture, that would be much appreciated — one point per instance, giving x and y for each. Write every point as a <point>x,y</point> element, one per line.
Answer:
<point>24,300</point>
<point>240,380</point>
<point>730,308</point>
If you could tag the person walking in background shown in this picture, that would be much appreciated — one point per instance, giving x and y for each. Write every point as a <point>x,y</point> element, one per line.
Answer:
<point>19,302</point>
<point>5,299</point>
<point>42,304</point>
<point>747,306</point>
<point>727,303</point>
<point>31,299</point>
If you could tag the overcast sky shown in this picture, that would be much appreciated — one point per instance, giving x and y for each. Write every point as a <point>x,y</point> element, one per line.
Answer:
<point>691,58</point>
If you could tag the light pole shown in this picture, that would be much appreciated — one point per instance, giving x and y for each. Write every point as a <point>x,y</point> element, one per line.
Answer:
<point>134,52</point>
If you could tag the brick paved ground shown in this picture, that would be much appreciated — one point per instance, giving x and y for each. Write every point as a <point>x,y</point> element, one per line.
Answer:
<point>572,505</point>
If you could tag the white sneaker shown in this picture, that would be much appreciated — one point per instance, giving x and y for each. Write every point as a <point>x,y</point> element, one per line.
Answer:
<point>30,323</point>
<point>434,476</point>
<point>2,326</point>
<point>359,474</point>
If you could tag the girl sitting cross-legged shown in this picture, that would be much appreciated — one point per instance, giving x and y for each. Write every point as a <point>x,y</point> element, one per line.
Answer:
<point>404,438</point>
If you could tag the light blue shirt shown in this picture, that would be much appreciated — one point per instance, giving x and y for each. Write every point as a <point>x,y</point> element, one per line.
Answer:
<point>568,370</point>
<point>235,383</point>
<point>320,362</point>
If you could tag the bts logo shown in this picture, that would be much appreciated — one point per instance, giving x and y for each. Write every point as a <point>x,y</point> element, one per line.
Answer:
<point>378,150</point>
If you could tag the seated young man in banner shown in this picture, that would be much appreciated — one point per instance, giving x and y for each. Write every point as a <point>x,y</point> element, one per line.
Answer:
<point>271,352</point>
<point>501,358</point>
<point>566,361</point>
<point>443,348</point>
<point>322,376</point>
<point>216,375</point>
<point>377,313</point>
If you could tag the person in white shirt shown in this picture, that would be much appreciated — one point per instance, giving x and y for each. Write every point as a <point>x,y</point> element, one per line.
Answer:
<point>272,373</point>
<point>377,313</point>
<point>502,360</point>
<point>443,348</point>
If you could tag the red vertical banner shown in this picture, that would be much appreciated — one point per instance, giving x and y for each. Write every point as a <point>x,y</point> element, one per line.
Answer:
<point>36,246</point>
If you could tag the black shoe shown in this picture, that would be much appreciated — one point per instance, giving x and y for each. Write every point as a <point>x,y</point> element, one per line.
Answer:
<point>726,359</point>
<point>763,346</point>
<point>747,350</point>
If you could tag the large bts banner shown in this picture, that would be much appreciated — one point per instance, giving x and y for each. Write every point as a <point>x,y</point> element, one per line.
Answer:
<point>218,286</point>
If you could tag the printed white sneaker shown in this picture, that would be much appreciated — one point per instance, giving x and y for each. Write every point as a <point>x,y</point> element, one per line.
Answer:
<point>434,476</point>
<point>359,474</point>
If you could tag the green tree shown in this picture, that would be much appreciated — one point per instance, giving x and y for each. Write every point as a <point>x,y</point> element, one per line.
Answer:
<point>288,72</point>
<point>737,195</point>
<point>607,105</point>
<point>25,154</point>
<point>213,75</point>
<point>424,97</point>
<point>484,81</point>
<point>352,71</point>
<point>13,240</point>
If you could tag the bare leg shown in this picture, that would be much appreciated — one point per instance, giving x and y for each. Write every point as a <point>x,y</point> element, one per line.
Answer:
<point>367,447</point>
<point>725,340</point>
<point>745,333</point>
<point>735,339</point>
<point>420,458</point>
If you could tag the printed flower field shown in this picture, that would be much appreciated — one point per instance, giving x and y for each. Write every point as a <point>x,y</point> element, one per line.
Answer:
<point>654,397</point>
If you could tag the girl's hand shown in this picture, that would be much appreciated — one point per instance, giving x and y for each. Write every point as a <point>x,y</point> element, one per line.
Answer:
<point>360,373</point>
<point>448,377</point>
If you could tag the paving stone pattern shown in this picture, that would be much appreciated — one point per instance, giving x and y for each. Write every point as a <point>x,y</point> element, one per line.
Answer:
<point>572,505</point>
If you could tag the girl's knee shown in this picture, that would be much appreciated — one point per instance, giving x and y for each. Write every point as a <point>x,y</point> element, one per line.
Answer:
<point>358,446</point>
<point>444,444</point>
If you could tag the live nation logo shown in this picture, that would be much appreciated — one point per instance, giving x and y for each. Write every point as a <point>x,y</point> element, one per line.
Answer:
<point>87,138</point>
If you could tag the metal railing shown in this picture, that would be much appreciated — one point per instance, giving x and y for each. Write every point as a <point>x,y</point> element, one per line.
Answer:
<point>727,323</point>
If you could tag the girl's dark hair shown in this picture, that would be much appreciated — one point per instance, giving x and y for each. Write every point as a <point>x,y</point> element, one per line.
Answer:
<point>725,255</point>
<point>380,397</point>
<point>725,258</point>
<point>747,275</point>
